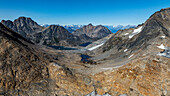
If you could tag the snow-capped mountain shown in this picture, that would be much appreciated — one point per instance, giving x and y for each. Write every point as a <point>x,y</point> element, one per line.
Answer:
<point>44,25</point>
<point>115,28</point>
<point>72,28</point>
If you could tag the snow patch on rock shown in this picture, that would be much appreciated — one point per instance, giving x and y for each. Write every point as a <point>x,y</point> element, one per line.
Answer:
<point>107,68</point>
<point>125,50</point>
<point>92,48</point>
<point>126,33</point>
<point>131,56</point>
<point>165,53</point>
<point>163,36</point>
<point>161,46</point>
<point>136,31</point>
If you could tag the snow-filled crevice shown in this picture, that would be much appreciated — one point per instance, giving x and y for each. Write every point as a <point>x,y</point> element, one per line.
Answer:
<point>136,31</point>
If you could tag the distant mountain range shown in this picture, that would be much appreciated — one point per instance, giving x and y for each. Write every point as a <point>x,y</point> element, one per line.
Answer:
<point>115,28</point>
<point>112,28</point>
<point>70,28</point>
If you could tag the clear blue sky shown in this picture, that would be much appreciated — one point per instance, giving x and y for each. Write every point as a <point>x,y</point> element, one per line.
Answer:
<point>106,12</point>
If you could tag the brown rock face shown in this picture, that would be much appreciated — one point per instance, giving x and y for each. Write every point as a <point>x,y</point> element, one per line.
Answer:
<point>143,76</point>
<point>20,67</point>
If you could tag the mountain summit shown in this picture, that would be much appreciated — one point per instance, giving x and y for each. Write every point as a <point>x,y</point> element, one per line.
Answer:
<point>23,25</point>
<point>56,35</point>
<point>93,31</point>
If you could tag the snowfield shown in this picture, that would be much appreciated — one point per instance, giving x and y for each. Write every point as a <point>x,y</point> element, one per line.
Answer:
<point>163,36</point>
<point>136,31</point>
<point>92,48</point>
<point>126,33</point>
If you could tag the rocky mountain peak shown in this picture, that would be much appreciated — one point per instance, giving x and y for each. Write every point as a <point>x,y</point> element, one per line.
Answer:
<point>56,35</point>
<point>90,24</point>
<point>7,23</point>
<point>93,31</point>
<point>23,25</point>
<point>26,21</point>
<point>162,11</point>
<point>55,27</point>
<point>155,31</point>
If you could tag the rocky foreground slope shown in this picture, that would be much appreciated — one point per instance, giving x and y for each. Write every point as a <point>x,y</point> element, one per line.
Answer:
<point>25,70</point>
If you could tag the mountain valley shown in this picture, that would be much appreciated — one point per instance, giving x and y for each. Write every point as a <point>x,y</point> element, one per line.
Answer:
<point>54,60</point>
